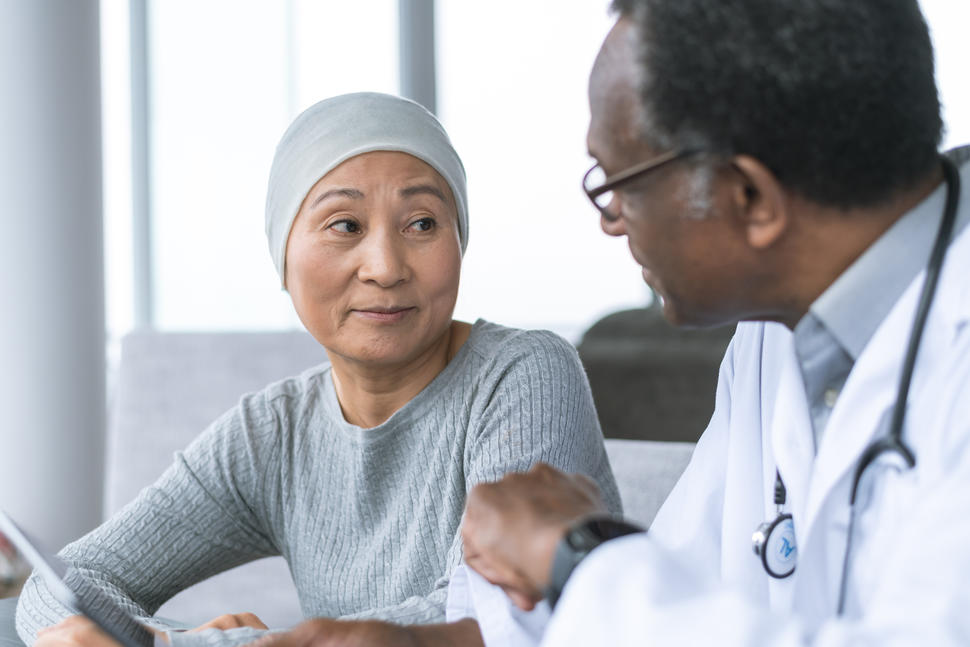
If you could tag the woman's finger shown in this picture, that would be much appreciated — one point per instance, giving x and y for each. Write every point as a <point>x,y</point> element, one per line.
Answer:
<point>233,621</point>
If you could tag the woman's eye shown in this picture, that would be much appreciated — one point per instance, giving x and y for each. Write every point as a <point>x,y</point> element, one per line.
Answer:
<point>423,224</point>
<point>345,227</point>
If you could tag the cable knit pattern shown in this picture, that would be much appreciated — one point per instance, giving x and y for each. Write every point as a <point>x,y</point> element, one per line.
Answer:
<point>368,519</point>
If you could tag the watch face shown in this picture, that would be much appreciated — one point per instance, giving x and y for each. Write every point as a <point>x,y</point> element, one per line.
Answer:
<point>587,536</point>
<point>584,538</point>
<point>578,542</point>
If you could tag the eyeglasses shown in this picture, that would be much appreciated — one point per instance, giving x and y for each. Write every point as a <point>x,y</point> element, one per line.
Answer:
<point>599,187</point>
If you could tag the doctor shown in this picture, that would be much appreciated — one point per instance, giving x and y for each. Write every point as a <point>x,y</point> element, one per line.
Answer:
<point>773,162</point>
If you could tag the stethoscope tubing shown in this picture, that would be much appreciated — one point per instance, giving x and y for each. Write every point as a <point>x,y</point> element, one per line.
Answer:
<point>893,442</point>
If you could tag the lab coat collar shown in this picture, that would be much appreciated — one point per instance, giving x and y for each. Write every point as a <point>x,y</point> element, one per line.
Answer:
<point>861,411</point>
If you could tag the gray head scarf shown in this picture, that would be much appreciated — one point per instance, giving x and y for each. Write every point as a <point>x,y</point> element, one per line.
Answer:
<point>334,130</point>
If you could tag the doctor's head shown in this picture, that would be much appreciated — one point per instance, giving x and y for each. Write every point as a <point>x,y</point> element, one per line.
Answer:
<point>719,126</point>
<point>367,221</point>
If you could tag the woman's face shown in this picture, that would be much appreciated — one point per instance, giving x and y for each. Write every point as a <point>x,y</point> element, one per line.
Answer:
<point>373,259</point>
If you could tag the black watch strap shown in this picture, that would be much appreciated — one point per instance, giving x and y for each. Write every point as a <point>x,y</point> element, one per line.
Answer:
<point>578,542</point>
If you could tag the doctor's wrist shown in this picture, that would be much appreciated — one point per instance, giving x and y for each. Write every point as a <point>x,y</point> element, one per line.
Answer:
<point>580,540</point>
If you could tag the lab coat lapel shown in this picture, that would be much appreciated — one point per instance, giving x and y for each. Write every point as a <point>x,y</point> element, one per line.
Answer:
<point>860,415</point>
<point>870,391</point>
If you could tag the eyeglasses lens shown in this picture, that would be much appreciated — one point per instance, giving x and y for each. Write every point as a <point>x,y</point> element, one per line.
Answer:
<point>603,200</point>
<point>595,179</point>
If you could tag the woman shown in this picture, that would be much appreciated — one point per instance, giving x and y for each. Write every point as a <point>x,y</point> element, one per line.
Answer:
<point>356,471</point>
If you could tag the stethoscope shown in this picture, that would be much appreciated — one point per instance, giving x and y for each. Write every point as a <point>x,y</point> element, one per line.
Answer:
<point>774,541</point>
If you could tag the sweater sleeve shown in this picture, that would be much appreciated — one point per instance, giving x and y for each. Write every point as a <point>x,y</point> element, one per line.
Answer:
<point>206,514</point>
<point>540,408</point>
<point>536,406</point>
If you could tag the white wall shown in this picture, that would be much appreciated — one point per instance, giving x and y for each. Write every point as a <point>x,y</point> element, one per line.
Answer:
<point>512,79</point>
<point>948,21</point>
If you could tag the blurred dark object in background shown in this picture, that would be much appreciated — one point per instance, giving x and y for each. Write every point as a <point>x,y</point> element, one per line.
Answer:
<point>650,380</point>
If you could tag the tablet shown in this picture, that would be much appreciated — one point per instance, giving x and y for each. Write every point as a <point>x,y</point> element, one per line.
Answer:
<point>75,591</point>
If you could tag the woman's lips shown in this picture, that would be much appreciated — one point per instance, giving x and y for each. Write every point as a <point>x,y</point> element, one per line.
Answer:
<point>384,315</point>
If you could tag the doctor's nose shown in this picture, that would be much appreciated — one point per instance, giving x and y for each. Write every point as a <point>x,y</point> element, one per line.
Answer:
<point>383,260</point>
<point>613,225</point>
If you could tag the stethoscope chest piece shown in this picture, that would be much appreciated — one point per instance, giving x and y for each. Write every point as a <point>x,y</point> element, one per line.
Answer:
<point>774,543</point>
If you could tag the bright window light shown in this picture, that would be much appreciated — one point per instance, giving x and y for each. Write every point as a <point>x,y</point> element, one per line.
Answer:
<point>226,77</point>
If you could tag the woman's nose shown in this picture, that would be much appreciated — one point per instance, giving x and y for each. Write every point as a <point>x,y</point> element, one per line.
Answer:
<point>383,260</point>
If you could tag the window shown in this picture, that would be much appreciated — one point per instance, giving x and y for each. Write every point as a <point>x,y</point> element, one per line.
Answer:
<point>225,78</point>
<point>512,94</point>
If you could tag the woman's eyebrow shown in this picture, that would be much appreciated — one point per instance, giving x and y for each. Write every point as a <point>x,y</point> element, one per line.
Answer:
<point>420,189</point>
<point>354,194</point>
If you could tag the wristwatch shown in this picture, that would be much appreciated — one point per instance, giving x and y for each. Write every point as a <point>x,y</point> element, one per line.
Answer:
<point>578,542</point>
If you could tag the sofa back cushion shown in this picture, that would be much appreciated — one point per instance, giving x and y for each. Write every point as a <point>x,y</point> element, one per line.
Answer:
<point>170,387</point>
<point>646,471</point>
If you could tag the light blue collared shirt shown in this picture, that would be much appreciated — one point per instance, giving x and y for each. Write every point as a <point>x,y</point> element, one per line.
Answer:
<point>839,324</point>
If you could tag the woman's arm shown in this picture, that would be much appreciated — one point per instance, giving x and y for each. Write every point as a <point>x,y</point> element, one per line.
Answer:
<point>533,405</point>
<point>206,514</point>
<point>540,409</point>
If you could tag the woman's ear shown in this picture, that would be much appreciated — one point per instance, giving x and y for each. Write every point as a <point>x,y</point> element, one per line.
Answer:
<point>759,199</point>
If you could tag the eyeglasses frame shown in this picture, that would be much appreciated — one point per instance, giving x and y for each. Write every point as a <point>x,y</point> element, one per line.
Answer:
<point>628,174</point>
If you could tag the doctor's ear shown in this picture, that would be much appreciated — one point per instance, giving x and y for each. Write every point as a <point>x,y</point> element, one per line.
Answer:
<point>759,199</point>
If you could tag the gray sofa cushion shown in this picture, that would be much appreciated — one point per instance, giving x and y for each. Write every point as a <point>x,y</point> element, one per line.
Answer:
<point>650,380</point>
<point>646,471</point>
<point>170,387</point>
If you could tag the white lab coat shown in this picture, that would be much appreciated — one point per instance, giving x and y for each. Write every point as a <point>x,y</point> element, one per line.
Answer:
<point>694,580</point>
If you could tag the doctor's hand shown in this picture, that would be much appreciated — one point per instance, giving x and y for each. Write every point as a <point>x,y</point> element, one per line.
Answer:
<point>75,631</point>
<point>511,527</point>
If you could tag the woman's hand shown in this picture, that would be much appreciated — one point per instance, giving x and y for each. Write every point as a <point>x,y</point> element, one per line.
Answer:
<point>233,621</point>
<point>78,631</point>
<point>75,631</point>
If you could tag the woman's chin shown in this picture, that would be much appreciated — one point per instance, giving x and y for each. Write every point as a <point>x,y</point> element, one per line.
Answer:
<point>378,351</point>
<point>378,344</point>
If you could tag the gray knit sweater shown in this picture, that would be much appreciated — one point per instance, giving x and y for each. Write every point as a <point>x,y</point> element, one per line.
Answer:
<point>368,519</point>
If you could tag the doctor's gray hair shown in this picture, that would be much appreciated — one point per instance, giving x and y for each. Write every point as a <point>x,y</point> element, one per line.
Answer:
<point>837,98</point>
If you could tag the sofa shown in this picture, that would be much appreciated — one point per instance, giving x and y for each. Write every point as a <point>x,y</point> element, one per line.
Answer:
<point>171,385</point>
<point>650,380</point>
